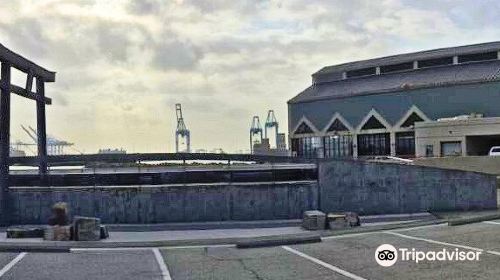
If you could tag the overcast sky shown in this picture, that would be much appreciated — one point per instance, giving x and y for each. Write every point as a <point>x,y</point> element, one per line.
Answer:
<point>123,64</point>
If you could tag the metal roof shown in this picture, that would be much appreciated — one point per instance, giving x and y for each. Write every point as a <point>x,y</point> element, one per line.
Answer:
<point>407,57</point>
<point>419,78</point>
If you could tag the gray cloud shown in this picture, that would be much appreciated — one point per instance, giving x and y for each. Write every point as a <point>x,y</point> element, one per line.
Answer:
<point>143,7</point>
<point>176,55</point>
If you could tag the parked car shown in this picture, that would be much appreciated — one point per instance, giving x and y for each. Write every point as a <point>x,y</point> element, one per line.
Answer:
<point>495,151</point>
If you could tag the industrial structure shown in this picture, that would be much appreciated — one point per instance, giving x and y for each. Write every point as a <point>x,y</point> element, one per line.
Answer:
<point>255,133</point>
<point>271,122</point>
<point>439,102</point>
<point>182,134</point>
<point>54,145</point>
<point>261,144</point>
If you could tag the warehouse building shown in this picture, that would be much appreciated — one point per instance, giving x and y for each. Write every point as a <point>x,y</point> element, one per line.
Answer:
<point>432,103</point>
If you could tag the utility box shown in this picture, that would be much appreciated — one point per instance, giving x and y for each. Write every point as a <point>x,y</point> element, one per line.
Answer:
<point>314,220</point>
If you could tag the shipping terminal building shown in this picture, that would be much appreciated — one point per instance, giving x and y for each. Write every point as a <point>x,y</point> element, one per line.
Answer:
<point>443,102</point>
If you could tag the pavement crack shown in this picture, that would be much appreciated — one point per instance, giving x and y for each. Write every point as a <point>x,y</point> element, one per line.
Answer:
<point>253,272</point>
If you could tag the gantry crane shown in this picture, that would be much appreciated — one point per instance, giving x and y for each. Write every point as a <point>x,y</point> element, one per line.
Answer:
<point>181,132</point>
<point>270,123</point>
<point>255,129</point>
<point>54,146</point>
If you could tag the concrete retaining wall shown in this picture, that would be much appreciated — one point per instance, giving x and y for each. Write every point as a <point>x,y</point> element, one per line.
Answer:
<point>485,164</point>
<point>174,203</point>
<point>380,188</point>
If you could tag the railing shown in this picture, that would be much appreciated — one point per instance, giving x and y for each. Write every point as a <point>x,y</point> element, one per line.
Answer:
<point>129,169</point>
<point>61,160</point>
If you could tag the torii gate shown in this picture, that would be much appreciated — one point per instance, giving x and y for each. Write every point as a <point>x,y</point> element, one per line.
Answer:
<point>9,59</point>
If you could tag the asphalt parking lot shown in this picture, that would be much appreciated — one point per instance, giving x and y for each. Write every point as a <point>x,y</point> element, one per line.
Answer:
<point>340,257</point>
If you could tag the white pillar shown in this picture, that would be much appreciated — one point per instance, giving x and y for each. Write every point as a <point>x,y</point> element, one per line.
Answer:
<point>355,146</point>
<point>393,143</point>
<point>415,64</point>
<point>455,59</point>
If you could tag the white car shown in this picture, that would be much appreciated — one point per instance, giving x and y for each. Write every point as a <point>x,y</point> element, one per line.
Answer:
<point>495,151</point>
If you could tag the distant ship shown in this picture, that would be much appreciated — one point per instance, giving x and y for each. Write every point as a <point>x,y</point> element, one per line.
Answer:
<point>112,151</point>
<point>16,152</point>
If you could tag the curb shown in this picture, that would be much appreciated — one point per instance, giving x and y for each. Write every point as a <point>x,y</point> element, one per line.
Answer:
<point>269,242</point>
<point>273,240</point>
<point>381,228</point>
<point>471,220</point>
<point>204,225</point>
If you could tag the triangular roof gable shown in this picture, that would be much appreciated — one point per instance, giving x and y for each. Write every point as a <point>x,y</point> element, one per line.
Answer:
<point>304,126</point>
<point>337,123</point>
<point>373,120</point>
<point>411,116</point>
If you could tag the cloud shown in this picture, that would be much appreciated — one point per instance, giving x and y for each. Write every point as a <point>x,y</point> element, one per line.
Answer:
<point>143,6</point>
<point>176,55</point>
<point>123,64</point>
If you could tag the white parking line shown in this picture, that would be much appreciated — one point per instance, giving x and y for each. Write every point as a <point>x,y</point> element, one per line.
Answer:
<point>434,241</point>
<point>420,227</point>
<point>492,223</point>
<point>12,263</point>
<point>82,250</point>
<point>378,231</point>
<point>324,264</point>
<point>348,235</point>
<point>444,243</point>
<point>78,250</point>
<point>199,246</point>
<point>163,267</point>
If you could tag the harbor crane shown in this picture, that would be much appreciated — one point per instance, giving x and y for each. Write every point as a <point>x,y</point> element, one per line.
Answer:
<point>270,123</point>
<point>181,133</point>
<point>54,146</point>
<point>255,130</point>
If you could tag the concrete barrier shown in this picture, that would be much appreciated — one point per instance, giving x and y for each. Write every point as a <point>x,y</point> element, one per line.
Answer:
<point>382,188</point>
<point>168,203</point>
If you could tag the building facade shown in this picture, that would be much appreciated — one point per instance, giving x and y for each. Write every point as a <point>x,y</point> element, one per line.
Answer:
<point>371,107</point>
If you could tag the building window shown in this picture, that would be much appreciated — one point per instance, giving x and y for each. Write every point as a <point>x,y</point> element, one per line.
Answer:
<point>338,146</point>
<point>451,148</point>
<point>310,147</point>
<point>429,150</point>
<point>372,123</point>
<point>337,125</point>
<point>374,144</point>
<point>411,120</point>
<point>303,129</point>
<point>433,62</point>
<point>405,144</point>
<point>477,57</point>
<point>361,72</point>
<point>396,67</point>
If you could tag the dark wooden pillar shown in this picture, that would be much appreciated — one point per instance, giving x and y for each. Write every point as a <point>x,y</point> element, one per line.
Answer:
<point>4,139</point>
<point>41,129</point>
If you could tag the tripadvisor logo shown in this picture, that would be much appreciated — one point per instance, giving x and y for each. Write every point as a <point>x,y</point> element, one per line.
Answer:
<point>387,255</point>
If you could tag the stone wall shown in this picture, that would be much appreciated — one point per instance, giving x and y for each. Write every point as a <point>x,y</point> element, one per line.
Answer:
<point>381,188</point>
<point>172,203</point>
